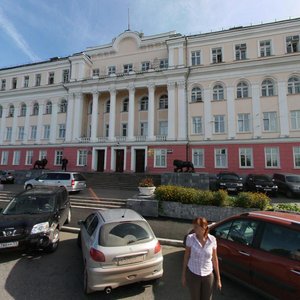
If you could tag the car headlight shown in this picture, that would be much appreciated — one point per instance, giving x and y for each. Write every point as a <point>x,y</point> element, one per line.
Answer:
<point>40,227</point>
<point>258,186</point>
<point>239,184</point>
<point>222,183</point>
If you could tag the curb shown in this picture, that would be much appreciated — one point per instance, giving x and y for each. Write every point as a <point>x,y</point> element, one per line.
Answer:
<point>167,242</point>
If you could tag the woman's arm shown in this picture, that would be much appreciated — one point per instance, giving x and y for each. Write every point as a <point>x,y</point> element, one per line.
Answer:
<point>186,257</point>
<point>216,268</point>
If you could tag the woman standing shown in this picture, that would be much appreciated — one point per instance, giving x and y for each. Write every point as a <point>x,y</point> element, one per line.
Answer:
<point>200,262</point>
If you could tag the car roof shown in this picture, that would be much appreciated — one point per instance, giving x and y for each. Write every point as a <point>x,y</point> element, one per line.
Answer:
<point>287,174</point>
<point>119,214</point>
<point>45,190</point>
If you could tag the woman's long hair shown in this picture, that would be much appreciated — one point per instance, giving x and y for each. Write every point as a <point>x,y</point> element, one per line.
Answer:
<point>202,222</point>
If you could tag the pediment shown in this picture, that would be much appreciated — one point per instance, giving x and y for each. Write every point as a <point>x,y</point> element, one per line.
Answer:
<point>127,42</point>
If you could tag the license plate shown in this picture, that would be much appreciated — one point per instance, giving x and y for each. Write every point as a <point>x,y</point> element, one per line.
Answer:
<point>9,245</point>
<point>231,189</point>
<point>267,190</point>
<point>130,260</point>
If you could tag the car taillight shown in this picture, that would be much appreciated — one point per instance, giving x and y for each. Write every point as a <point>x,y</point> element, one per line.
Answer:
<point>97,255</point>
<point>73,182</point>
<point>157,248</point>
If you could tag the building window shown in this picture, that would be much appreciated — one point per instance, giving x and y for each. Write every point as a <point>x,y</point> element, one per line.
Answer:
<point>35,110</point>
<point>272,157</point>
<point>65,75</point>
<point>96,72</point>
<point>270,121</point>
<point>160,160</point>
<point>42,154</point>
<point>163,102</point>
<point>90,108</point>
<point>4,158</point>
<point>145,66</point>
<point>240,51</point>
<point>265,48</point>
<point>8,134</point>
<point>295,119</point>
<point>267,88</point>
<point>82,157</point>
<point>294,85</point>
<point>196,125</point>
<point>14,83</point>
<point>144,103</point>
<point>3,84</point>
<point>26,81</point>
<point>246,157</point>
<point>144,128</point>
<point>63,106</point>
<point>111,70</point>
<point>106,130</point>
<point>196,95</point>
<point>46,132</point>
<point>58,157</point>
<point>48,110</point>
<point>23,110</point>
<point>296,154</point>
<point>198,158</point>
<point>292,44</point>
<point>33,132</point>
<point>218,92</point>
<point>125,105</point>
<point>244,122</point>
<point>16,158</point>
<point>61,131</point>
<point>163,128</point>
<point>107,106</point>
<point>29,157</point>
<point>164,63</point>
<point>242,90</point>
<point>219,124</point>
<point>38,78</point>
<point>195,55</point>
<point>21,133</point>
<point>216,55</point>
<point>51,78</point>
<point>124,129</point>
<point>11,111</point>
<point>127,68</point>
<point>221,158</point>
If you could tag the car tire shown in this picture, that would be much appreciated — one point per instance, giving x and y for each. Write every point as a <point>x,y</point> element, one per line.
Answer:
<point>86,288</point>
<point>28,187</point>
<point>69,218</point>
<point>54,244</point>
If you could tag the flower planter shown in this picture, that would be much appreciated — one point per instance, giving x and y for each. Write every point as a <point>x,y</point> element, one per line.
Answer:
<point>146,191</point>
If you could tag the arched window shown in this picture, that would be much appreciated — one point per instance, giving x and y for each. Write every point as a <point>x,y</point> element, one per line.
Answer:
<point>35,110</point>
<point>48,108</point>
<point>163,102</point>
<point>294,85</point>
<point>1,111</point>
<point>63,106</point>
<point>107,106</point>
<point>267,88</point>
<point>218,92</point>
<point>196,94</point>
<point>242,90</point>
<point>144,103</point>
<point>23,110</point>
<point>125,104</point>
<point>11,111</point>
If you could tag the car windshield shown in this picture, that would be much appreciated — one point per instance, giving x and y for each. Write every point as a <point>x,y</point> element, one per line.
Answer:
<point>30,204</point>
<point>262,178</point>
<point>229,177</point>
<point>124,233</point>
<point>293,179</point>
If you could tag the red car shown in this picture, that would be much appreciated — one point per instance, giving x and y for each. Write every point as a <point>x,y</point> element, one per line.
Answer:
<point>262,249</point>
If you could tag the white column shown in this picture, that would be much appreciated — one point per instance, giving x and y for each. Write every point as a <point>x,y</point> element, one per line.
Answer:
<point>69,120</point>
<point>180,56</point>
<point>256,111</point>
<point>39,122</point>
<point>283,109</point>
<point>94,121</point>
<point>171,111</point>
<point>231,113</point>
<point>3,124</point>
<point>208,118</point>
<point>182,112</point>
<point>77,116</point>
<point>112,114</point>
<point>26,125</point>
<point>151,90</point>
<point>171,57</point>
<point>53,125</point>
<point>131,113</point>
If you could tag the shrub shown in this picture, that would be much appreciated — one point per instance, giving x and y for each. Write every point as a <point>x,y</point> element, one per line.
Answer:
<point>287,206</point>
<point>146,182</point>
<point>252,200</point>
<point>220,198</point>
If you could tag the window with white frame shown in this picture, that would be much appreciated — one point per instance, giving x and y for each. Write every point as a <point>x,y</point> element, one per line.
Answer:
<point>164,63</point>
<point>21,133</point>
<point>65,75</point>
<point>35,110</point>
<point>265,48</point>
<point>82,157</point>
<point>163,102</point>
<point>48,110</point>
<point>23,110</point>
<point>96,72</point>
<point>8,135</point>
<point>11,111</point>
<point>216,55</point>
<point>270,121</point>
<point>3,84</point>
<point>46,135</point>
<point>106,130</point>
<point>292,44</point>
<point>145,66</point>
<point>196,95</point>
<point>163,128</point>
<point>219,123</point>
<point>63,105</point>
<point>16,158</point>
<point>295,119</point>
<point>125,105</point>
<point>294,85</point>
<point>272,157</point>
<point>51,78</point>
<point>196,125</point>
<point>29,157</point>
<point>127,68</point>
<point>42,154</point>
<point>26,81</point>
<point>144,128</point>
<point>160,158</point>
<point>240,51</point>
<point>14,83</point>
<point>196,58</point>
<point>107,106</point>
<point>218,92</point>
<point>58,157</point>
<point>111,70</point>
<point>221,160</point>
<point>4,158</point>
<point>124,129</point>
<point>144,104</point>
<point>267,88</point>
<point>198,158</point>
<point>38,78</point>
<point>244,122</point>
<point>246,157</point>
<point>242,90</point>
<point>61,131</point>
<point>33,131</point>
<point>296,154</point>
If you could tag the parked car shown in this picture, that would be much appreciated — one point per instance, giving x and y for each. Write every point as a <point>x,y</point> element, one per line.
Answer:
<point>6,177</point>
<point>33,219</point>
<point>262,249</point>
<point>288,184</point>
<point>229,181</point>
<point>72,181</point>
<point>260,183</point>
<point>118,248</point>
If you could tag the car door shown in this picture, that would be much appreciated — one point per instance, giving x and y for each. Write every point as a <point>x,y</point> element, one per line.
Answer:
<point>64,205</point>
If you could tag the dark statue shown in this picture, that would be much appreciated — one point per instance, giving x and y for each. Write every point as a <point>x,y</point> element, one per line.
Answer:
<point>180,165</point>
<point>40,164</point>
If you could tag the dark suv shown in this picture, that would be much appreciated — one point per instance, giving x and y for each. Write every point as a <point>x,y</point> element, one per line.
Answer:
<point>231,182</point>
<point>288,184</point>
<point>260,183</point>
<point>33,219</point>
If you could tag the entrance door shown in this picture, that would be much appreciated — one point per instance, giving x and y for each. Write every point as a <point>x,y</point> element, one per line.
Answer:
<point>100,162</point>
<point>119,161</point>
<point>139,160</point>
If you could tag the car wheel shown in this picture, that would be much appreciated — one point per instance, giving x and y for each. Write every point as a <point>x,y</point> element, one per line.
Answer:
<point>54,244</point>
<point>29,187</point>
<point>79,239</point>
<point>86,288</point>
<point>68,220</point>
<point>289,193</point>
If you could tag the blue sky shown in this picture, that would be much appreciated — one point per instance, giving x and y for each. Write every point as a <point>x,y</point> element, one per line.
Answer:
<point>35,30</point>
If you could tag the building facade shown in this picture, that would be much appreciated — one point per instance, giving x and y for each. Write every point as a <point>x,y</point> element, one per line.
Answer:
<point>226,100</point>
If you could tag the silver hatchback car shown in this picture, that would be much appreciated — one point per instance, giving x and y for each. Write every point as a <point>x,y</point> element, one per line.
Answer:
<point>118,248</point>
